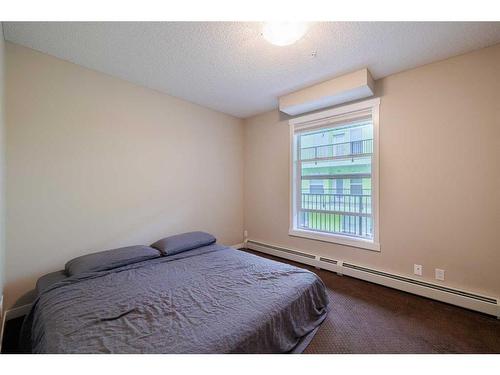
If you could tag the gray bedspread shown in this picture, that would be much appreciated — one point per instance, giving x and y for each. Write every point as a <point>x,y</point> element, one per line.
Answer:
<point>212,299</point>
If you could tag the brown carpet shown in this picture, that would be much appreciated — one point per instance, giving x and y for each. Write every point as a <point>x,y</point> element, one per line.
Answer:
<point>369,318</point>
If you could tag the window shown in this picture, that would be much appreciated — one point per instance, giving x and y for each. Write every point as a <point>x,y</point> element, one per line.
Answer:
<point>334,172</point>
<point>357,141</point>
<point>338,143</point>
<point>357,187</point>
<point>317,187</point>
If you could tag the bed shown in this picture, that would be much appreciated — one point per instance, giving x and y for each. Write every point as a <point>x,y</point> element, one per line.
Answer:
<point>206,299</point>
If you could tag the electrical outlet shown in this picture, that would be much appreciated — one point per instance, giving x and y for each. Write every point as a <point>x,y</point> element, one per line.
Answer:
<point>245,233</point>
<point>417,269</point>
<point>439,274</point>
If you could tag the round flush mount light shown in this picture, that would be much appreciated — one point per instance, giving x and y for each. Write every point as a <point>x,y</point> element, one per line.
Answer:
<point>284,33</point>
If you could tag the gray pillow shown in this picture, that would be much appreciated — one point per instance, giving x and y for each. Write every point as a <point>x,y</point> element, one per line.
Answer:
<point>183,242</point>
<point>109,259</point>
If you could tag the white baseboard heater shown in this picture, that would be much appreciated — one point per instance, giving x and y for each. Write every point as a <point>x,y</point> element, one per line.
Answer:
<point>469,300</point>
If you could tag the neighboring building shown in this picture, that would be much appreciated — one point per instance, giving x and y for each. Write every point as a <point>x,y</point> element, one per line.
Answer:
<point>336,179</point>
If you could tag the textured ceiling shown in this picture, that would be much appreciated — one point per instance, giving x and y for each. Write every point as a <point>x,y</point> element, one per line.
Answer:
<point>229,67</point>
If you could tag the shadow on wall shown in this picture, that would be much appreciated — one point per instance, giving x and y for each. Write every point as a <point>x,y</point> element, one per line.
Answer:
<point>23,287</point>
<point>25,299</point>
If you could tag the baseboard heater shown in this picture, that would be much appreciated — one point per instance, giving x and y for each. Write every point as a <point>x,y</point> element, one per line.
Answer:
<point>288,251</point>
<point>469,300</point>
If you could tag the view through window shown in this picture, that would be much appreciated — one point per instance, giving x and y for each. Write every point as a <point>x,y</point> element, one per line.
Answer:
<point>334,179</point>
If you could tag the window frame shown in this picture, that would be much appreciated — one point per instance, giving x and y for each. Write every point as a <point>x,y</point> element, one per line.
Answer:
<point>326,118</point>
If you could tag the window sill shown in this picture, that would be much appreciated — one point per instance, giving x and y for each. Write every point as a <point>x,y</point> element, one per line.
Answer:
<point>335,238</point>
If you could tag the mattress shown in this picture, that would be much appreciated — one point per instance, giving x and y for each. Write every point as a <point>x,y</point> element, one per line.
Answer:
<point>212,299</point>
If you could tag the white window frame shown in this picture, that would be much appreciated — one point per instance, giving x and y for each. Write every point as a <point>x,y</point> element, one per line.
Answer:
<point>325,118</point>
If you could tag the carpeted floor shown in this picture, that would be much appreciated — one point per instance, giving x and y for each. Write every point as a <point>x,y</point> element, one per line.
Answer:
<point>369,318</point>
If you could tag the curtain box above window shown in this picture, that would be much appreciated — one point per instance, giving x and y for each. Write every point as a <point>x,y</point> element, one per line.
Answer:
<point>343,89</point>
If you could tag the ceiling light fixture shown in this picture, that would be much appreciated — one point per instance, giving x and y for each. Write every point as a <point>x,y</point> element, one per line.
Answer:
<point>284,33</point>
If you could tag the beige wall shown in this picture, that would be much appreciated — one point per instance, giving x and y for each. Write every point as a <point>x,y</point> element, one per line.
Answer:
<point>439,175</point>
<point>94,162</point>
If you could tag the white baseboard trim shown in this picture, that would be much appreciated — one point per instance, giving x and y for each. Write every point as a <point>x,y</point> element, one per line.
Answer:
<point>462,298</point>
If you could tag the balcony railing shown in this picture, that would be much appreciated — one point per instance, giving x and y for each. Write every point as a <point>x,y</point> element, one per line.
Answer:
<point>343,213</point>
<point>337,150</point>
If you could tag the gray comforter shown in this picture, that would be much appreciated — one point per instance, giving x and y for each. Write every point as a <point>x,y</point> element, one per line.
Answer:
<point>212,299</point>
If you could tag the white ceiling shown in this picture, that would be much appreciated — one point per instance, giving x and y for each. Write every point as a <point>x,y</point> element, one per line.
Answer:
<point>229,67</point>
